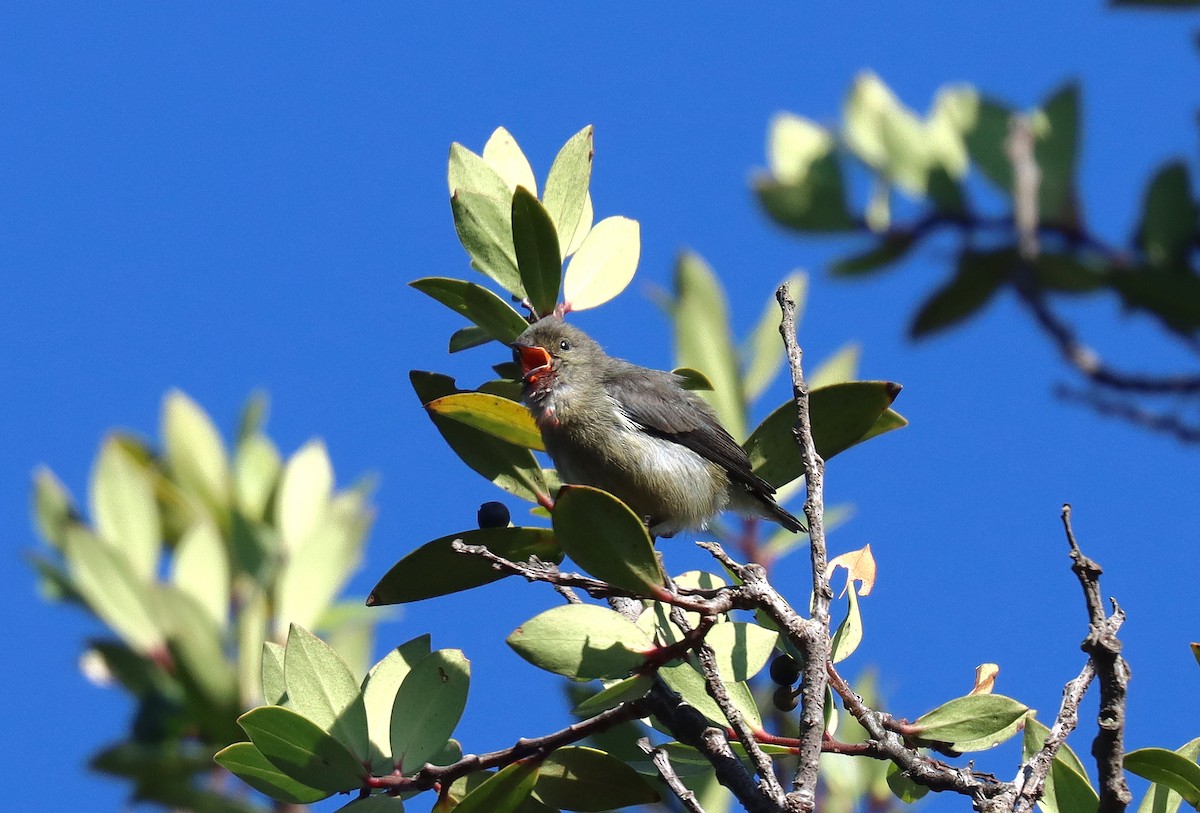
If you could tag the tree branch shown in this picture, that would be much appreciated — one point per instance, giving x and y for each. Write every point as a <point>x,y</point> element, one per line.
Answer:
<point>662,763</point>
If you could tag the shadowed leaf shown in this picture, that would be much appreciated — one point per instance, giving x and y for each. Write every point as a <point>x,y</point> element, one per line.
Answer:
<point>604,537</point>
<point>539,258</point>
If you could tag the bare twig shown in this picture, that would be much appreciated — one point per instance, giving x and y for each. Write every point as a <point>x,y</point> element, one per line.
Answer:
<point>1163,422</point>
<point>1027,179</point>
<point>662,763</point>
<point>1031,778</point>
<point>803,795</point>
<point>1104,648</point>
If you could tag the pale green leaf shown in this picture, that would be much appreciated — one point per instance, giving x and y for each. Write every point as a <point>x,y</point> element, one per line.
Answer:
<point>379,696</point>
<point>504,155</point>
<point>582,641</point>
<point>763,351</point>
<point>304,493</point>
<point>566,191</point>
<point>256,469</point>
<point>124,508</point>
<point>321,687</point>
<point>111,588</point>
<point>842,366</point>
<point>201,570</point>
<point>428,705</point>
<point>604,264</point>
<point>194,450</point>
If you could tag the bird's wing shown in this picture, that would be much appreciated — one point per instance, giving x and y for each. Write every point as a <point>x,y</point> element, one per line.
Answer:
<point>684,419</point>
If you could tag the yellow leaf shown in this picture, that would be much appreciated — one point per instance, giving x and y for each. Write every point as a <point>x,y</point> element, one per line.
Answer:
<point>985,678</point>
<point>604,265</point>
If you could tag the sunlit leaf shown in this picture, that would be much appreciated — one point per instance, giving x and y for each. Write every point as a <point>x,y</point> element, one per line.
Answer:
<point>321,687</point>
<point>604,537</point>
<point>1169,768</point>
<point>53,509</point>
<point>511,467</point>
<point>689,683</point>
<point>435,569</point>
<point>604,264</point>
<point>493,414</point>
<point>379,696</point>
<point>503,154</point>
<point>124,508</point>
<point>969,719</point>
<point>849,633</point>
<point>742,649</point>
<point>428,706</point>
<point>503,792</point>
<point>839,368</point>
<point>566,191</point>
<point>201,569</point>
<point>256,469</point>
<point>703,340</point>
<point>113,591</point>
<point>859,565</point>
<point>301,750</point>
<point>539,258</point>
<point>304,493</point>
<point>194,450</point>
<point>631,688</point>
<point>582,641</point>
<point>488,311</point>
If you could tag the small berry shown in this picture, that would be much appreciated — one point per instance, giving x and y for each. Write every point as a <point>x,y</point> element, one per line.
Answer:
<point>784,699</point>
<point>785,670</point>
<point>493,515</point>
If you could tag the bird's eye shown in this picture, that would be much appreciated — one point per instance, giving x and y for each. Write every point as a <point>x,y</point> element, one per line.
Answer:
<point>564,345</point>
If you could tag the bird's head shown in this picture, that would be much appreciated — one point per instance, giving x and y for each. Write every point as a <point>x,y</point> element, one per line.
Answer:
<point>552,353</point>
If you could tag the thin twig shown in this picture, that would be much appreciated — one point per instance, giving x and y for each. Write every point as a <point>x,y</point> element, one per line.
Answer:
<point>662,763</point>
<point>1104,649</point>
<point>1031,778</point>
<point>803,795</point>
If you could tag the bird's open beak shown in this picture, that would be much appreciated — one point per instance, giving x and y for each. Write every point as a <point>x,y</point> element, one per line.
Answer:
<point>534,361</point>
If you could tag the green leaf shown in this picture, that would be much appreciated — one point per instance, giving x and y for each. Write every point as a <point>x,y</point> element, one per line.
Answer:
<point>849,633</point>
<point>304,493</point>
<point>794,144</point>
<point>194,450</point>
<point>703,339</point>
<point>504,155</point>
<point>1066,273</point>
<point>1077,792</point>
<point>301,750</point>
<point>978,276</point>
<point>842,415</point>
<point>484,226</point>
<point>587,779</point>
<point>631,688</point>
<point>511,467</point>
<point>538,256</point>
<point>566,191</point>
<point>467,337</point>
<point>256,469</point>
<point>470,172</point>
<point>985,143</point>
<point>428,706</point>
<point>499,417</point>
<point>891,247</point>
<point>1168,768</point>
<point>691,379</point>
<point>583,229</point>
<point>763,351</point>
<point>689,683</point>
<point>815,204</point>
<point>888,136</point>
<point>503,792</point>
<point>1171,295</point>
<point>742,649</point>
<point>201,570</point>
<point>604,264</point>
<point>436,569</point>
<point>321,687</point>
<point>1161,798</point>
<point>124,508</point>
<point>904,788</point>
<point>1056,153</point>
<point>582,641</point>
<point>604,537</point>
<point>1169,212</point>
<point>247,763</point>
<point>273,682</point>
<point>106,580</point>
<point>53,509</point>
<point>488,311</point>
<point>969,718</point>
<point>379,696</point>
<point>313,576</point>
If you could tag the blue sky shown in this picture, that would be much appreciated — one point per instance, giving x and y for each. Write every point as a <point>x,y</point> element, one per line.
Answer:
<point>225,199</point>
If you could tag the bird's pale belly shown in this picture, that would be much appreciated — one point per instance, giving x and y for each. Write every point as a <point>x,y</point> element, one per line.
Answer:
<point>671,487</point>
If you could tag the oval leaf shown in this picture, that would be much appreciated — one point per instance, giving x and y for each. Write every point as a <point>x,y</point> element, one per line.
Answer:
<point>427,708</point>
<point>194,450</point>
<point>538,256</point>
<point>379,697</point>
<point>105,579</point>
<point>201,569</point>
<point>484,226</point>
<point>124,507</point>
<point>470,172</point>
<point>689,683</point>
<point>489,312</point>
<point>587,779</point>
<point>503,792</point>
<point>247,763</point>
<point>969,718</point>
<point>582,641</point>
<point>604,537</point>
<point>742,649</point>
<point>566,190</point>
<point>842,415</point>
<point>499,417</point>
<point>504,155</point>
<point>1164,767</point>
<point>604,265</point>
<point>321,687</point>
<point>53,509</point>
<point>631,688</point>
<point>512,468</point>
<point>436,569</point>
<point>977,277</point>
<point>304,493</point>
<point>300,749</point>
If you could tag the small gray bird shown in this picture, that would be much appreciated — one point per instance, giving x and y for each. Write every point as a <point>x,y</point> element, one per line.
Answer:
<point>636,433</point>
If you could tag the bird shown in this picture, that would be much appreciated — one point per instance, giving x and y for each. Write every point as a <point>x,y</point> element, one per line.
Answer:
<point>636,433</point>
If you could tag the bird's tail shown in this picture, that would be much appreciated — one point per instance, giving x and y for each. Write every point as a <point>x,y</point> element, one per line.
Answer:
<point>781,515</point>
